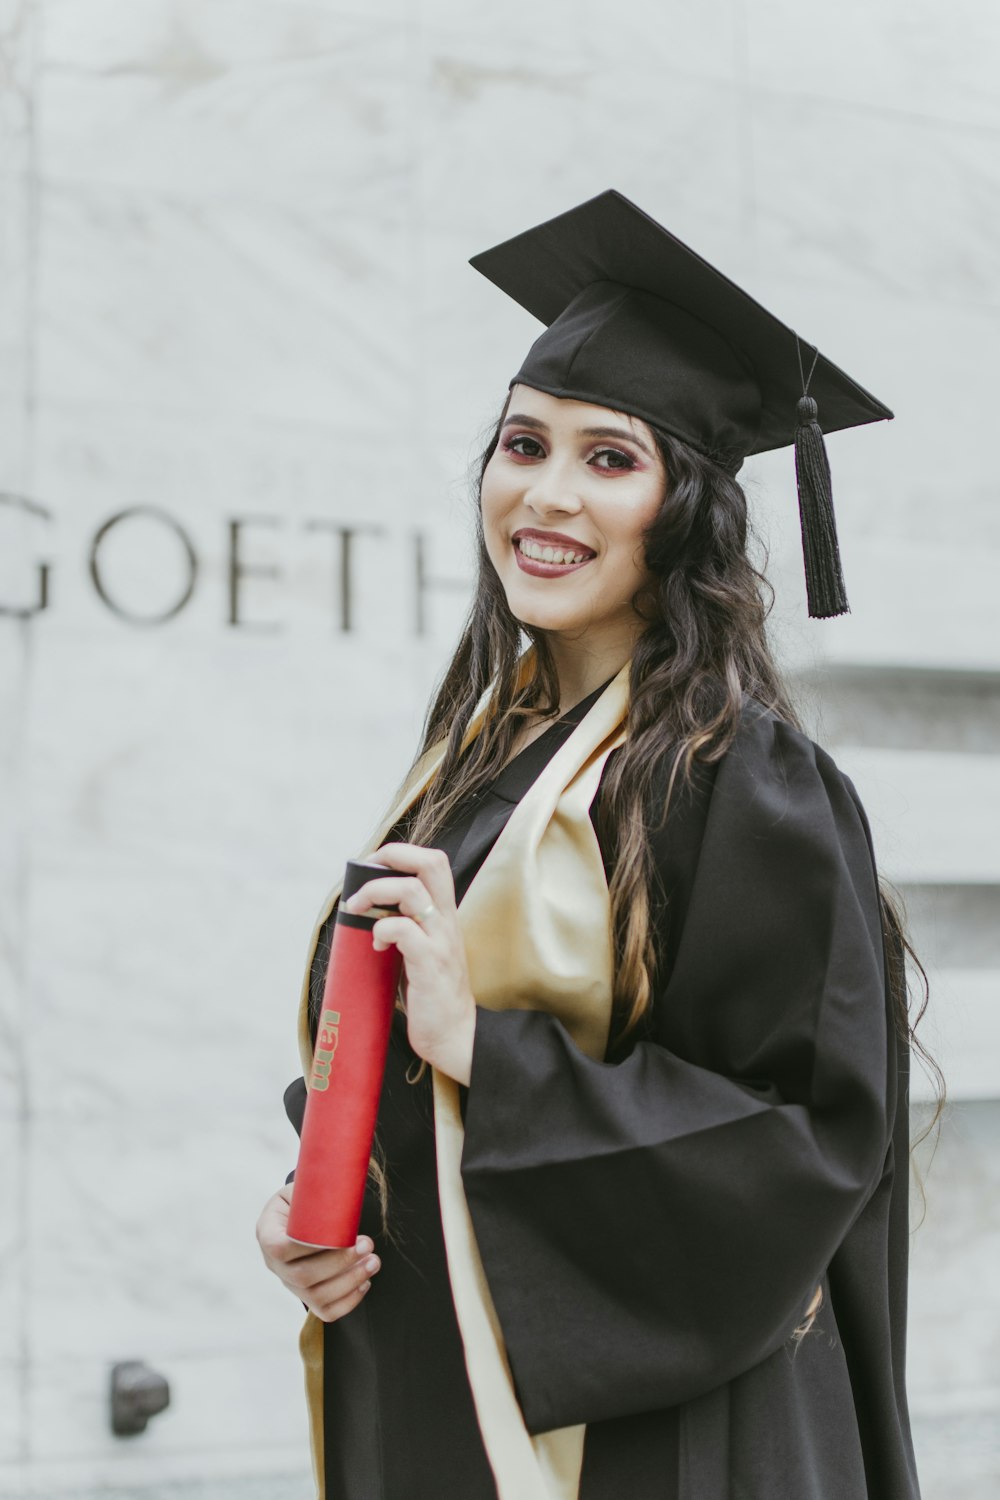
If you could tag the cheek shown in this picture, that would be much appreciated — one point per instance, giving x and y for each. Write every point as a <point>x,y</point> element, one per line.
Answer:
<point>492,486</point>
<point>625,527</point>
<point>493,506</point>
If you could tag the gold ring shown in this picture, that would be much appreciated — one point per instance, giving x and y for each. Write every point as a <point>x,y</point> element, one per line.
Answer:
<point>421,916</point>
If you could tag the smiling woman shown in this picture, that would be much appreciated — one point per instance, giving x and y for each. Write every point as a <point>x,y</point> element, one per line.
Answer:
<point>564,516</point>
<point>636,1224</point>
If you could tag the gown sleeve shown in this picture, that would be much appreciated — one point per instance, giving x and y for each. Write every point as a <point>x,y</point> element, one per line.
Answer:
<point>654,1226</point>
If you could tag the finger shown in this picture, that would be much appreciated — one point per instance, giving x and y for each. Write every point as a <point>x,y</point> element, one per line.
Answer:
<point>318,1264</point>
<point>330,1311</point>
<point>344,1267</point>
<point>272,1235</point>
<point>401,932</point>
<point>430,865</point>
<point>329,1294</point>
<point>402,891</point>
<point>344,1280</point>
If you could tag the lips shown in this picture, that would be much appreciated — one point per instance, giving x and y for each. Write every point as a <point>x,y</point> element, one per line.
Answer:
<point>549,554</point>
<point>558,541</point>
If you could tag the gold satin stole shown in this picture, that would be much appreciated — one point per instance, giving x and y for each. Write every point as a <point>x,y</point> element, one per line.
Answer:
<point>536,921</point>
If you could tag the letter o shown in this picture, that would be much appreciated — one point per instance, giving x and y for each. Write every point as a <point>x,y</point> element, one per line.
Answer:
<point>95,572</point>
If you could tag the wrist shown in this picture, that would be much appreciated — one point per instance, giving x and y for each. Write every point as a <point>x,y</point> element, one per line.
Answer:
<point>456,1058</point>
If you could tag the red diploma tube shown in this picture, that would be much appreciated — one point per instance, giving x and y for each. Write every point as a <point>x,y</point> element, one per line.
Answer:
<point>343,1088</point>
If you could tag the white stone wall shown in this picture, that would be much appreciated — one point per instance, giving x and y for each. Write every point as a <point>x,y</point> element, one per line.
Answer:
<point>241,357</point>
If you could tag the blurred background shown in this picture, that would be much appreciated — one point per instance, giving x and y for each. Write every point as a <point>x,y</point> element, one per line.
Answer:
<point>243,369</point>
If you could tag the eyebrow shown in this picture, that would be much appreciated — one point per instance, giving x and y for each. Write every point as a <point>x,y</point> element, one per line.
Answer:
<point>519,420</point>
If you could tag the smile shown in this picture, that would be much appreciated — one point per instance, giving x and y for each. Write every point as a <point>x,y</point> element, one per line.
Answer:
<point>549,559</point>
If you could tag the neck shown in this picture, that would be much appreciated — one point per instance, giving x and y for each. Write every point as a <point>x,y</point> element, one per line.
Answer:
<point>582,665</point>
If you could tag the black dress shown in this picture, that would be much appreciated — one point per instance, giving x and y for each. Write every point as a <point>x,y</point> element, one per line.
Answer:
<point>653,1226</point>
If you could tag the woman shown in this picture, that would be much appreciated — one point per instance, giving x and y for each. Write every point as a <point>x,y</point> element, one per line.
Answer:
<point>638,1222</point>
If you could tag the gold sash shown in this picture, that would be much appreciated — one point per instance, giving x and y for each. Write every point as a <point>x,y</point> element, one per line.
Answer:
<point>537,930</point>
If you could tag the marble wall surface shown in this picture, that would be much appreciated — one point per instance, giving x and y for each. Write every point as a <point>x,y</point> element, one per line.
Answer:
<point>243,370</point>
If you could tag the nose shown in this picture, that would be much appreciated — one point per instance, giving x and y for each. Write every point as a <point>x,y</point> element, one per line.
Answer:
<point>551,492</point>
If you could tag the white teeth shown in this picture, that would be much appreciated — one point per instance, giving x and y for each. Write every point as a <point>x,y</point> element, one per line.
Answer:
<point>549,554</point>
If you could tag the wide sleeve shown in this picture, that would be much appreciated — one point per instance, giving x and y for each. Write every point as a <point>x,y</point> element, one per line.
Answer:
<point>652,1227</point>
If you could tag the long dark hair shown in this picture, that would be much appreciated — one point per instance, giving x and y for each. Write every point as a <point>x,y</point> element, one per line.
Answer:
<point>703,651</point>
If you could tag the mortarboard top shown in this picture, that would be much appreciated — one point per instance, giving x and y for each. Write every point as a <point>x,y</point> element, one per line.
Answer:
<point>640,323</point>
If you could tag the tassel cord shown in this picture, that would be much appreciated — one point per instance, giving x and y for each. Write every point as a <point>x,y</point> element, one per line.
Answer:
<point>825,588</point>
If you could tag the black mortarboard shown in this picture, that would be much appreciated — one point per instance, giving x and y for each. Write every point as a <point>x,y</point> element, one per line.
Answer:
<point>638,322</point>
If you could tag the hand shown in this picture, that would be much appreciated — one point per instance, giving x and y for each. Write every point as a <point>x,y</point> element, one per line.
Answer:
<point>331,1283</point>
<point>440,1009</point>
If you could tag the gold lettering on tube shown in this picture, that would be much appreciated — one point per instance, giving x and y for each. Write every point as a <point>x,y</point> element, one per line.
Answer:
<point>327,1035</point>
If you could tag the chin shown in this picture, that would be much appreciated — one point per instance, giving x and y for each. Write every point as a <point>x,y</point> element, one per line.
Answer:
<point>539,614</point>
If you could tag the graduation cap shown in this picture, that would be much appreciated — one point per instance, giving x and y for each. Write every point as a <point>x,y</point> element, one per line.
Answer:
<point>638,322</point>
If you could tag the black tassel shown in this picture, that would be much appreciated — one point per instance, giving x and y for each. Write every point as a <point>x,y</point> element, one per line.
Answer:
<point>824,574</point>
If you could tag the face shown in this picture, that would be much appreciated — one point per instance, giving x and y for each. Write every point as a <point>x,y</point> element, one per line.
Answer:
<point>566,498</point>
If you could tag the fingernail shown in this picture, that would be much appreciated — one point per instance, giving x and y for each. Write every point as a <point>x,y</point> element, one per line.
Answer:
<point>363,1245</point>
<point>372,1263</point>
<point>364,1286</point>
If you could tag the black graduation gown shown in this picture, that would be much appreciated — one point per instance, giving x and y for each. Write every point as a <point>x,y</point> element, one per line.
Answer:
<point>652,1227</point>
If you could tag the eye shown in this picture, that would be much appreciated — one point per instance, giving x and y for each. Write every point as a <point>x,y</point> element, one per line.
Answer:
<point>617,460</point>
<point>523,446</point>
